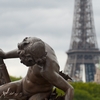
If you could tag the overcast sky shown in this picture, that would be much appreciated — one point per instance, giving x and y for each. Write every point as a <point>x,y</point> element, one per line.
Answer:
<point>50,20</point>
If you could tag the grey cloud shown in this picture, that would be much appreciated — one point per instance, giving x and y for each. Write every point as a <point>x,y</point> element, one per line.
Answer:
<point>39,21</point>
<point>33,3</point>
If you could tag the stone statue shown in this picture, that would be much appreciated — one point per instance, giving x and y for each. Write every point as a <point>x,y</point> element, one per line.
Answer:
<point>42,76</point>
<point>4,76</point>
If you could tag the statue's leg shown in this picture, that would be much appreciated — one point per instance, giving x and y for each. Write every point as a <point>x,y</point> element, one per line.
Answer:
<point>11,90</point>
<point>8,88</point>
<point>40,96</point>
<point>13,86</point>
<point>4,76</point>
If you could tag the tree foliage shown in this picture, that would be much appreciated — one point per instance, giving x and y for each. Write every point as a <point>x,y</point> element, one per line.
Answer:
<point>13,78</point>
<point>87,90</point>
<point>84,91</point>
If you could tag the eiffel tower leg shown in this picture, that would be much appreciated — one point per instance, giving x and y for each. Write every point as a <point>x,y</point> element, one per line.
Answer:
<point>4,76</point>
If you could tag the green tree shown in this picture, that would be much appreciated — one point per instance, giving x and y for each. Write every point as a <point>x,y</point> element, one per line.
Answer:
<point>13,78</point>
<point>92,89</point>
<point>82,95</point>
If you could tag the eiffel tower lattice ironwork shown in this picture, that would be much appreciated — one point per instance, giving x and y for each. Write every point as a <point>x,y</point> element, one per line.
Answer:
<point>83,53</point>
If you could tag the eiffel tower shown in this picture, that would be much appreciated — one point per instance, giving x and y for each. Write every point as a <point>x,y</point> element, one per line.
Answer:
<point>83,54</point>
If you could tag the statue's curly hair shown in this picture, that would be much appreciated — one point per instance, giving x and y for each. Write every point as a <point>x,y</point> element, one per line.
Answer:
<point>37,50</point>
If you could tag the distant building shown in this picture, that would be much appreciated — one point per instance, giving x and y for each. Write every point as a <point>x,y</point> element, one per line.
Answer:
<point>97,75</point>
<point>83,53</point>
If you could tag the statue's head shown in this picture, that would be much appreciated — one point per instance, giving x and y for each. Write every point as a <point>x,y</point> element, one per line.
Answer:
<point>32,51</point>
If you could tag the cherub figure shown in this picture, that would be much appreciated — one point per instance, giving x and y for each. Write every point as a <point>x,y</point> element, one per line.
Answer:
<point>42,75</point>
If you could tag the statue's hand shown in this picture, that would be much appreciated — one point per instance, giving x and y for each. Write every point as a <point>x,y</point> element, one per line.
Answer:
<point>2,53</point>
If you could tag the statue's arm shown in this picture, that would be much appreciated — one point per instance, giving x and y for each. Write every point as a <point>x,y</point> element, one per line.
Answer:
<point>54,78</point>
<point>10,54</point>
<point>62,84</point>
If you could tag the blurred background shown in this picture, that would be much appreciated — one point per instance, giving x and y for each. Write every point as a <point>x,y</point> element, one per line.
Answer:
<point>50,20</point>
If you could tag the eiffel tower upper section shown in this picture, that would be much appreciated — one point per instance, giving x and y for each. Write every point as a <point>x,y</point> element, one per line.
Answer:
<point>83,32</point>
<point>83,54</point>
